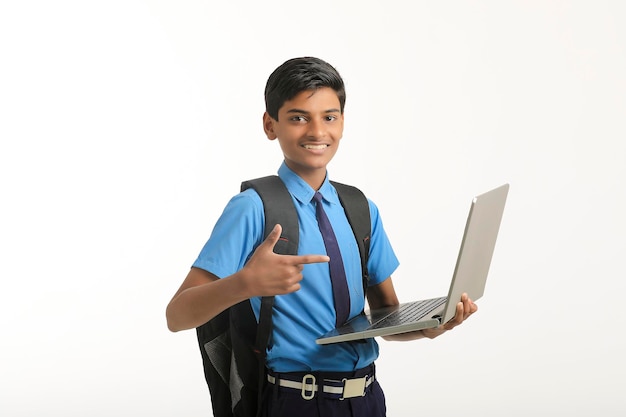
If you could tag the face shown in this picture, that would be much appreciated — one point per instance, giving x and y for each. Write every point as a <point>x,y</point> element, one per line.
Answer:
<point>309,128</point>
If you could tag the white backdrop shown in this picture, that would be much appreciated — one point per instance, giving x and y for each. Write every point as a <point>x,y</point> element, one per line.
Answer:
<point>127,125</point>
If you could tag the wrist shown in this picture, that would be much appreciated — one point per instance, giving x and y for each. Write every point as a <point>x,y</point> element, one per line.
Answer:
<point>240,284</point>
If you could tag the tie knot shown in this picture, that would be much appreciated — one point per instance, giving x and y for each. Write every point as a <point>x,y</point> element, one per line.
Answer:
<point>318,197</point>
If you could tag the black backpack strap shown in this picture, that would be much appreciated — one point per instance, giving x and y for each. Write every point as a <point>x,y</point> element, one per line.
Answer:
<point>357,210</point>
<point>278,208</point>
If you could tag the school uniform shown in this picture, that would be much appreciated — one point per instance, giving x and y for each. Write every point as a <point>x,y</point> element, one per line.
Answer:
<point>301,317</point>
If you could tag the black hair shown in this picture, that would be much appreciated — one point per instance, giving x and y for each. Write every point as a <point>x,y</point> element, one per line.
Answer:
<point>297,75</point>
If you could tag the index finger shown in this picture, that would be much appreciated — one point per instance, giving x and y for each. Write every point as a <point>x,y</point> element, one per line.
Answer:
<point>309,259</point>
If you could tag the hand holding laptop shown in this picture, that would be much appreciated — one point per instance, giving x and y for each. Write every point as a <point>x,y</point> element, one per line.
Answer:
<point>464,308</point>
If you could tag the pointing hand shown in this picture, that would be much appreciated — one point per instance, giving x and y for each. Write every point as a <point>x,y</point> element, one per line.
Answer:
<point>268,273</point>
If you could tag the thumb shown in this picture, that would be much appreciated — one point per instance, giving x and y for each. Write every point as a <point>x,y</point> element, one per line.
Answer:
<point>272,238</point>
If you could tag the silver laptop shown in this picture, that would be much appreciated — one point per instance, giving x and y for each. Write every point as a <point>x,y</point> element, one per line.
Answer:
<point>470,276</point>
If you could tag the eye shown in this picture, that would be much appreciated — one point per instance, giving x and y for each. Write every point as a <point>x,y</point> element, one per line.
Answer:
<point>298,119</point>
<point>330,118</point>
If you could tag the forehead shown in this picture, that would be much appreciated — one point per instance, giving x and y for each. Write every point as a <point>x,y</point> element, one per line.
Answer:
<point>323,99</point>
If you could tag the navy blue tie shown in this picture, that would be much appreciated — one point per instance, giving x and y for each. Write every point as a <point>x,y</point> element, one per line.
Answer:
<point>337,272</point>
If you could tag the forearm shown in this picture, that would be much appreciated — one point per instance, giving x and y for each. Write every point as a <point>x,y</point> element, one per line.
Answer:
<point>193,306</point>
<point>202,296</point>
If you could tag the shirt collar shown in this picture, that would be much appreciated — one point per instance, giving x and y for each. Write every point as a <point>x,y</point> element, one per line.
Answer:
<point>303,191</point>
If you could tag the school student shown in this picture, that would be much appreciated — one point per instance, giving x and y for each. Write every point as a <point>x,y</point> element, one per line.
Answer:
<point>305,100</point>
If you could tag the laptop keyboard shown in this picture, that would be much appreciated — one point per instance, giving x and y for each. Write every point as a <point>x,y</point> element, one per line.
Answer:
<point>409,313</point>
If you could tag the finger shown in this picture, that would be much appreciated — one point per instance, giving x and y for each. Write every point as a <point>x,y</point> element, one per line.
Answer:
<point>272,237</point>
<point>467,305</point>
<point>471,307</point>
<point>310,259</point>
<point>458,316</point>
<point>460,311</point>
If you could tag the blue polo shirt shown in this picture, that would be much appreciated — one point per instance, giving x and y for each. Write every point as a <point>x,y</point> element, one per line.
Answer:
<point>301,317</point>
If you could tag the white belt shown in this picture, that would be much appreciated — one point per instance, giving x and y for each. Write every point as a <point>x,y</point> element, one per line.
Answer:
<point>347,388</point>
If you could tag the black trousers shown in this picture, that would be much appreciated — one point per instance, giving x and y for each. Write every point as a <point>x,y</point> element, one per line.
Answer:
<point>288,402</point>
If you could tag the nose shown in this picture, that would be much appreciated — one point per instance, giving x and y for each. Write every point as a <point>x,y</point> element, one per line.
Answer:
<point>317,129</point>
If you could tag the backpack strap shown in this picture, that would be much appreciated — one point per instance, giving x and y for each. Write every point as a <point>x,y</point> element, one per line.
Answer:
<point>278,208</point>
<point>356,206</point>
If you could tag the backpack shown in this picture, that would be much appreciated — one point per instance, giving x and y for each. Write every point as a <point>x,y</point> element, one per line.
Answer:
<point>233,345</point>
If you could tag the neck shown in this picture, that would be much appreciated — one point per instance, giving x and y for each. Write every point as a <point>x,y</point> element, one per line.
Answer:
<point>314,177</point>
<point>314,180</point>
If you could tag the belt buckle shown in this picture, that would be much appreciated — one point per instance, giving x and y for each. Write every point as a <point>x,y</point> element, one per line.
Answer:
<point>353,387</point>
<point>308,394</point>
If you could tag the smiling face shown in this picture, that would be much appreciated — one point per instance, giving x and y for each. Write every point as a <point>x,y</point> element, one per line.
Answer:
<point>309,128</point>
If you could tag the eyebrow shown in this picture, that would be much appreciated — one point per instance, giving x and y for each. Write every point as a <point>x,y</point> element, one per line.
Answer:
<point>300,111</point>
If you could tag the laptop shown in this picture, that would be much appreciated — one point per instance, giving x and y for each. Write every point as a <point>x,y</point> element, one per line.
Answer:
<point>470,276</point>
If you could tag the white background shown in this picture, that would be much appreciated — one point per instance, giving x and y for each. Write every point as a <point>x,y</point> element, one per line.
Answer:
<point>127,125</point>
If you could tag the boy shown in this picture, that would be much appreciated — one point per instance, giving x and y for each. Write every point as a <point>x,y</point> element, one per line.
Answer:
<point>305,100</point>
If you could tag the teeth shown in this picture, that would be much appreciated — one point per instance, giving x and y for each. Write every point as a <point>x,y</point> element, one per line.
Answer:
<point>315,146</point>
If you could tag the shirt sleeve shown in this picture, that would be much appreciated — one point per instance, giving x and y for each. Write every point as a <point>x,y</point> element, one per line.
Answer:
<point>382,261</point>
<point>237,233</point>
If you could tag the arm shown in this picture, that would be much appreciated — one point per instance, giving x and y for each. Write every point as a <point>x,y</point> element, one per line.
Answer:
<point>383,295</point>
<point>202,295</point>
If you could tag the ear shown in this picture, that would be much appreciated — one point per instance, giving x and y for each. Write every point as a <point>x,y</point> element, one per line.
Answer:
<point>268,126</point>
